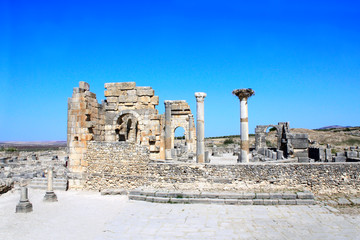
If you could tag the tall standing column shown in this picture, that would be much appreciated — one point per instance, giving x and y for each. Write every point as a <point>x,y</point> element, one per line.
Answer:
<point>200,128</point>
<point>168,130</point>
<point>243,95</point>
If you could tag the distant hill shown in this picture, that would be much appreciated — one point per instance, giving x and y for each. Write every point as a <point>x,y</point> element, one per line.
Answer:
<point>332,127</point>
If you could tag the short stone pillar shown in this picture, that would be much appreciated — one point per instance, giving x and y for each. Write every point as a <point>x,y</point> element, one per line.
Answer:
<point>24,205</point>
<point>168,155</point>
<point>50,196</point>
<point>280,154</point>
<point>207,158</point>
<point>243,95</point>
<point>200,127</point>
<point>274,155</point>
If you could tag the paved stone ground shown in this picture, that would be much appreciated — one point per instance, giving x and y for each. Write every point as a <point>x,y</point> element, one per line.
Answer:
<point>88,215</point>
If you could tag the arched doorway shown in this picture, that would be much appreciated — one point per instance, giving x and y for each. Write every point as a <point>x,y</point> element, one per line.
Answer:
<point>127,128</point>
<point>179,141</point>
<point>271,137</point>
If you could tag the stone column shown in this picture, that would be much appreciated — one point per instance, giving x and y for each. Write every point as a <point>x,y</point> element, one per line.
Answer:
<point>168,130</point>
<point>190,135</point>
<point>200,128</point>
<point>24,205</point>
<point>50,196</point>
<point>243,95</point>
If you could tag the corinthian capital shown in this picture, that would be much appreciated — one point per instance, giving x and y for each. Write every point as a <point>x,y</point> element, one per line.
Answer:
<point>200,96</point>
<point>243,93</point>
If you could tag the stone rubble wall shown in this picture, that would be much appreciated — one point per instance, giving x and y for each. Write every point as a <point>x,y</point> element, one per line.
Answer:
<point>85,123</point>
<point>126,165</point>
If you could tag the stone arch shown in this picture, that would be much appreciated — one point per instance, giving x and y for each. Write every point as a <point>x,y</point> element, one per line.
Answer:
<point>184,126</point>
<point>127,126</point>
<point>260,135</point>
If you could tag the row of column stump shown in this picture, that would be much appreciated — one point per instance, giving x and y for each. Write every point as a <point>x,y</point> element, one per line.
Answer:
<point>25,206</point>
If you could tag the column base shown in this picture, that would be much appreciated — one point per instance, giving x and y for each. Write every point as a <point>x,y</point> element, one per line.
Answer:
<point>50,197</point>
<point>24,207</point>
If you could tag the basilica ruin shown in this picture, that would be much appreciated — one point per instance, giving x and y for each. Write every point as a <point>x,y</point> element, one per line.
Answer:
<point>128,114</point>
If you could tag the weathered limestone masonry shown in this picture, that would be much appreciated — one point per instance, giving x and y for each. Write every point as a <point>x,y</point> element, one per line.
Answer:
<point>181,116</point>
<point>128,114</point>
<point>126,165</point>
<point>168,130</point>
<point>200,127</point>
<point>288,144</point>
<point>243,95</point>
<point>85,123</point>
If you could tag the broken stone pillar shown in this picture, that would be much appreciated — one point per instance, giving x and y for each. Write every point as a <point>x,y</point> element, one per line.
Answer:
<point>274,155</point>
<point>24,205</point>
<point>168,130</point>
<point>207,159</point>
<point>200,128</point>
<point>243,95</point>
<point>190,134</point>
<point>50,196</point>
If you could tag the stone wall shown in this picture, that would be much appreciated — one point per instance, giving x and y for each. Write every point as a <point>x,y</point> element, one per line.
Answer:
<point>125,165</point>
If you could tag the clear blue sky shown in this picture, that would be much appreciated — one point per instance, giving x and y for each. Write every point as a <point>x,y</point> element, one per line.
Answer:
<point>302,58</point>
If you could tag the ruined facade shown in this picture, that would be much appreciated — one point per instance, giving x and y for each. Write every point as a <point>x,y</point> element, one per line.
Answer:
<point>127,114</point>
<point>288,144</point>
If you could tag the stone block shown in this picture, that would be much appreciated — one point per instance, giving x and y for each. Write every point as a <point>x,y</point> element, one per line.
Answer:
<point>144,99</point>
<point>180,200</point>
<point>111,107</point>
<point>232,201</point>
<point>161,200</point>
<point>145,91</point>
<point>84,85</point>
<point>161,194</point>
<point>305,195</point>
<point>351,154</point>
<point>262,195</point>
<point>340,159</point>
<point>135,192</point>
<point>217,201</point>
<point>128,99</point>
<point>137,197</point>
<point>112,99</point>
<point>291,202</point>
<point>154,100</point>
<point>149,199</point>
<point>276,195</point>
<point>245,202</point>
<point>271,202</point>
<point>305,202</point>
<point>199,200</point>
<point>247,196</point>
<point>304,160</point>
<point>121,85</point>
<point>258,201</point>
<point>288,195</point>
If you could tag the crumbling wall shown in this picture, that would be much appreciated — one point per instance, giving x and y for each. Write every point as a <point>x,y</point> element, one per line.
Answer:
<point>181,116</point>
<point>127,101</point>
<point>126,165</point>
<point>85,123</point>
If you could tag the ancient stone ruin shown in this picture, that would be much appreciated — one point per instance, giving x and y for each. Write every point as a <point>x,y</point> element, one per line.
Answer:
<point>287,144</point>
<point>128,114</point>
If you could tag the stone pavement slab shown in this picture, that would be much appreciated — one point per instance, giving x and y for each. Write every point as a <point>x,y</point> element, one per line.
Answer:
<point>89,215</point>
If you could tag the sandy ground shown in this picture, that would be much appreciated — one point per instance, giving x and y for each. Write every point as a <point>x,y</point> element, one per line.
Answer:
<point>88,215</point>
